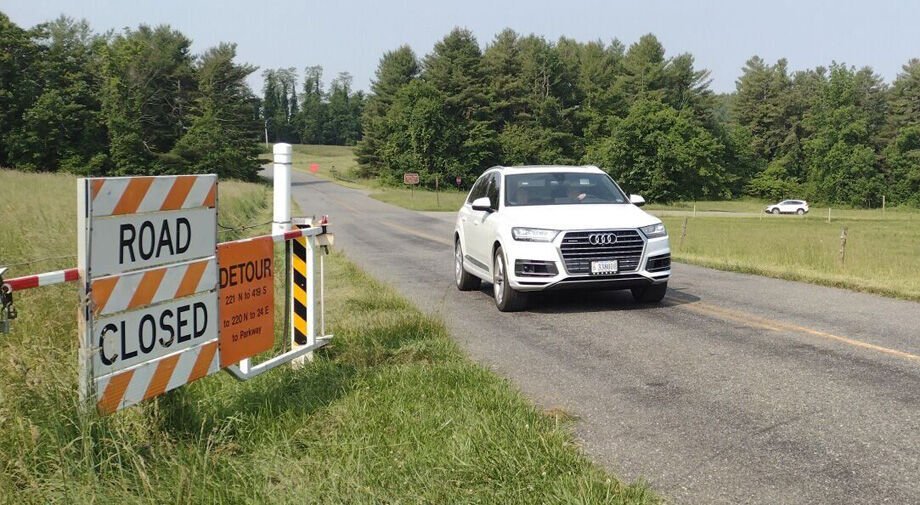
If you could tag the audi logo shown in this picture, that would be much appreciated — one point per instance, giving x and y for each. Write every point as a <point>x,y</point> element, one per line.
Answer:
<point>602,239</point>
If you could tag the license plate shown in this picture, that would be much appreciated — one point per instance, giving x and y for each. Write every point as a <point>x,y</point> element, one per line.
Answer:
<point>604,267</point>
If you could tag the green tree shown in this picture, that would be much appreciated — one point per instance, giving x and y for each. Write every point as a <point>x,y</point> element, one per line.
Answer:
<point>222,137</point>
<point>761,104</point>
<point>841,152</point>
<point>314,110</point>
<point>63,127</point>
<point>19,84</point>
<point>902,127</point>
<point>662,154</point>
<point>532,102</point>
<point>280,113</point>
<point>344,112</point>
<point>423,136</point>
<point>904,98</point>
<point>146,95</point>
<point>396,69</point>
<point>454,68</point>
<point>903,159</point>
<point>600,68</point>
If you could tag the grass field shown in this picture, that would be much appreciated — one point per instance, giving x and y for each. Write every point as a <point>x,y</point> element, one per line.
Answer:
<point>390,412</point>
<point>882,254</point>
<point>756,206</point>
<point>338,163</point>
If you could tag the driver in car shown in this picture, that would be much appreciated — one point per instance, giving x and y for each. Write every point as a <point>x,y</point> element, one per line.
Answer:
<point>576,194</point>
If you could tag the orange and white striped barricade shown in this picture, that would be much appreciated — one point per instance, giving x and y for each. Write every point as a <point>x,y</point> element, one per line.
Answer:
<point>148,270</point>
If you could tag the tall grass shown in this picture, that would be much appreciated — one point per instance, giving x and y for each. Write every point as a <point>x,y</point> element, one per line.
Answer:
<point>390,412</point>
<point>882,254</point>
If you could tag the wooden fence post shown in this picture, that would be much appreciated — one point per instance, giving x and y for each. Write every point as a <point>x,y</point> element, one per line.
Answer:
<point>683,234</point>
<point>843,246</point>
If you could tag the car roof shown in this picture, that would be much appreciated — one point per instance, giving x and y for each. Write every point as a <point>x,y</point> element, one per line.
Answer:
<point>537,169</point>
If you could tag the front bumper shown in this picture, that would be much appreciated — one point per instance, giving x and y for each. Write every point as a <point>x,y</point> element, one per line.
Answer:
<point>550,252</point>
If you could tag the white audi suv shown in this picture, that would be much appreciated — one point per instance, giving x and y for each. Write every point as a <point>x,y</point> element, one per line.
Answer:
<point>538,228</point>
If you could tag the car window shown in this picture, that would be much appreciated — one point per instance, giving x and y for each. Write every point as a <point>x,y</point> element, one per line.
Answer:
<point>494,188</point>
<point>561,188</point>
<point>479,189</point>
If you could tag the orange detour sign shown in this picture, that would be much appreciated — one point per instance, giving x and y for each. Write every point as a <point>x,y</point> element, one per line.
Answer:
<point>247,303</point>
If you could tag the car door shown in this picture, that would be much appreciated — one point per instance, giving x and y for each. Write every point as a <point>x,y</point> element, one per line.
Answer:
<point>470,220</point>
<point>481,223</point>
<point>488,226</point>
<point>786,206</point>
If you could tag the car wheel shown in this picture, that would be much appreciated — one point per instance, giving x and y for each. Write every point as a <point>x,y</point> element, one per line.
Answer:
<point>800,212</point>
<point>650,294</point>
<point>507,299</point>
<point>465,280</point>
<point>774,211</point>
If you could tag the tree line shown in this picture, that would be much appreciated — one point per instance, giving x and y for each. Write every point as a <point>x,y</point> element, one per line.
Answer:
<point>834,134</point>
<point>139,102</point>
<point>135,102</point>
<point>314,115</point>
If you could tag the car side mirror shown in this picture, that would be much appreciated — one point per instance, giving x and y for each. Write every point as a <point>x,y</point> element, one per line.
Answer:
<point>636,200</point>
<point>482,204</point>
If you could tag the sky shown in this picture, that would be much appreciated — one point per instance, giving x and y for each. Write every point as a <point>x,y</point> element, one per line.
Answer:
<point>342,35</point>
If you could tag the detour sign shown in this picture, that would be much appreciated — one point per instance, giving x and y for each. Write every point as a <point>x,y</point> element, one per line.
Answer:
<point>247,306</point>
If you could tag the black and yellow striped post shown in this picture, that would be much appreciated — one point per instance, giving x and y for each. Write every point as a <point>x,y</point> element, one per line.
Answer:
<point>302,294</point>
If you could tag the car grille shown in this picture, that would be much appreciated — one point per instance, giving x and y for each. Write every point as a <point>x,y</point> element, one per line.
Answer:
<point>578,252</point>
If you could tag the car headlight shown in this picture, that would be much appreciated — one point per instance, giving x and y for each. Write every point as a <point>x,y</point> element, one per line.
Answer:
<point>654,230</point>
<point>533,234</point>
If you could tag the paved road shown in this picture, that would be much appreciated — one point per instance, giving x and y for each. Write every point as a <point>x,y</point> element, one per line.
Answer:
<point>739,389</point>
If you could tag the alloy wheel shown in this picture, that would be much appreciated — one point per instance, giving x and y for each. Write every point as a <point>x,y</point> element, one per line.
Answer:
<point>498,279</point>
<point>458,262</point>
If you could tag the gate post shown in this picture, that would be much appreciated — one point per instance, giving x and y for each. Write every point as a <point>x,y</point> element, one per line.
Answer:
<point>281,176</point>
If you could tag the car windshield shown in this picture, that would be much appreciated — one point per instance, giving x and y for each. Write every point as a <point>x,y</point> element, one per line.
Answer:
<point>561,188</point>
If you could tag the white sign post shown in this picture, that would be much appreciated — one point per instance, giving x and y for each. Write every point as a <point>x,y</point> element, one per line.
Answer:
<point>147,263</point>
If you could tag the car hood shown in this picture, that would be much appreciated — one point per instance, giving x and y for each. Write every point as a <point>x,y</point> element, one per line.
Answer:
<point>579,216</point>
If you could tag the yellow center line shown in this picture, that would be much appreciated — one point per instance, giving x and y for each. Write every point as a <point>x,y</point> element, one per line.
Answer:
<point>769,324</point>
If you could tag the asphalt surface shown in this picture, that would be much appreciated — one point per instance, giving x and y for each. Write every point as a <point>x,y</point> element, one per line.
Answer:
<point>738,389</point>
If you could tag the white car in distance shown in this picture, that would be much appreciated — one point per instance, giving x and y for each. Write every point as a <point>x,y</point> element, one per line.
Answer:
<point>799,207</point>
<point>540,228</point>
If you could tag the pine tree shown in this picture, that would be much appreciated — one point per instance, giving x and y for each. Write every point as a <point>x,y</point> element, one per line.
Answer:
<point>314,110</point>
<point>222,137</point>
<point>904,98</point>
<point>148,87</point>
<point>455,69</point>
<point>396,69</point>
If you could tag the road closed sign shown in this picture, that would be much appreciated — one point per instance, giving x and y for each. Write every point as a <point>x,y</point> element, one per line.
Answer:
<point>247,302</point>
<point>124,243</point>
<point>147,257</point>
